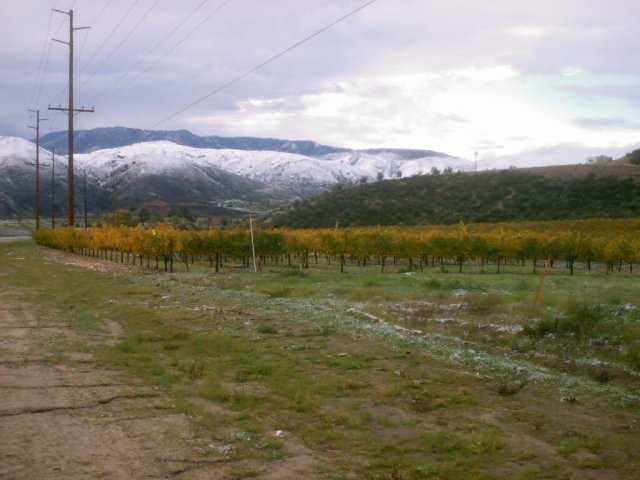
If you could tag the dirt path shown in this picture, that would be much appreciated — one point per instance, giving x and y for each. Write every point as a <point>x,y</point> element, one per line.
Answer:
<point>62,417</point>
<point>13,239</point>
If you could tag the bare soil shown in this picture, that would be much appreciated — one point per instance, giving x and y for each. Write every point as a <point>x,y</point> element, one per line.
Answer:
<point>64,417</point>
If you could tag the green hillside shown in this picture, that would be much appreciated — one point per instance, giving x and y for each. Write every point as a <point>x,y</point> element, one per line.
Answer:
<point>494,196</point>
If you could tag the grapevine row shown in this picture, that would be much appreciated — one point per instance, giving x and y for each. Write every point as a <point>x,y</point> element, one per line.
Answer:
<point>611,242</point>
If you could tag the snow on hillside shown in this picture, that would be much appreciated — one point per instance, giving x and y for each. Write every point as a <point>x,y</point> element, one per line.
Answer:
<point>156,158</point>
<point>18,152</point>
<point>390,164</point>
<point>279,174</point>
<point>274,168</point>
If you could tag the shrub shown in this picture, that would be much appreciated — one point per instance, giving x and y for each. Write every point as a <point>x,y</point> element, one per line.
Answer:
<point>267,329</point>
<point>580,320</point>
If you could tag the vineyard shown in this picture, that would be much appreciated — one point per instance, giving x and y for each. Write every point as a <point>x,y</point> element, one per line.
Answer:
<point>613,245</point>
<point>417,373</point>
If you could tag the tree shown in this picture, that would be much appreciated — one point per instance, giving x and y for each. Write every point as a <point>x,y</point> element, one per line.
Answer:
<point>380,176</point>
<point>144,216</point>
<point>121,217</point>
<point>183,212</point>
<point>633,157</point>
<point>600,159</point>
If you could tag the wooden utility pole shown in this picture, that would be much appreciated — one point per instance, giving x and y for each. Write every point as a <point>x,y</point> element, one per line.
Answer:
<point>85,198</point>
<point>70,112</point>
<point>53,188</point>
<point>37,164</point>
<point>253,246</point>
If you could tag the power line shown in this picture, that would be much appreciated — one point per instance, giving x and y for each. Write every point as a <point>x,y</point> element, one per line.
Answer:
<point>118,25</point>
<point>126,37</point>
<point>93,22</point>
<point>27,32</point>
<point>158,45</point>
<point>37,84</point>
<point>266,62</point>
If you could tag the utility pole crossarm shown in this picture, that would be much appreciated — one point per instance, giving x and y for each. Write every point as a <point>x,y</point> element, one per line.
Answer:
<point>75,110</point>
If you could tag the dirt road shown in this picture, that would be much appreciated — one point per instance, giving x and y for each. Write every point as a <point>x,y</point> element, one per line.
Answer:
<point>61,417</point>
<point>64,415</point>
<point>13,239</point>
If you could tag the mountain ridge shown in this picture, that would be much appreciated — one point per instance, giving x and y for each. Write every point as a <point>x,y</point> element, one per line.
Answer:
<point>164,172</point>
<point>87,141</point>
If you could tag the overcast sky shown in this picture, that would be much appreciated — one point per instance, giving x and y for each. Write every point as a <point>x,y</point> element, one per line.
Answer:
<point>552,80</point>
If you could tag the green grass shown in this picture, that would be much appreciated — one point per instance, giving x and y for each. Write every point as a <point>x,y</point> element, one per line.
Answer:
<point>284,351</point>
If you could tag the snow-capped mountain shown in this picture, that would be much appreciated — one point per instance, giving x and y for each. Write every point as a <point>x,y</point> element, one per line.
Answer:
<point>292,174</point>
<point>173,174</point>
<point>87,141</point>
<point>18,175</point>
<point>393,163</point>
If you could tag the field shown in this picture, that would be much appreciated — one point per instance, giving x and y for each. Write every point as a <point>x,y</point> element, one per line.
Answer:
<point>292,373</point>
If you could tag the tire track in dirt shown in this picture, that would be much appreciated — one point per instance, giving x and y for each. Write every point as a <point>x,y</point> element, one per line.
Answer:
<point>64,419</point>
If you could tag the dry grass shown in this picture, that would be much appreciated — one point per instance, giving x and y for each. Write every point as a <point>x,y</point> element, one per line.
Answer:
<point>465,397</point>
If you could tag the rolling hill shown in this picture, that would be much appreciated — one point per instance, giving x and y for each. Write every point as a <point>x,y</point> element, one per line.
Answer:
<point>546,193</point>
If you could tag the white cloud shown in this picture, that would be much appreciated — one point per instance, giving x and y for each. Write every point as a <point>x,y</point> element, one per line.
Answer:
<point>533,31</point>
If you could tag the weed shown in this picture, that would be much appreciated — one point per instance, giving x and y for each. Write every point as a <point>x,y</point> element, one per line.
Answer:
<point>128,345</point>
<point>267,329</point>
<point>424,403</point>
<point>273,448</point>
<point>632,351</point>
<point>602,375</point>
<point>212,389</point>
<point>302,401</point>
<point>580,320</point>
<point>433,283</point>
<point>193,368</point>
<point>325,329</point>
<point>484,304</point>
<point>510,385</point>
<point>280,291</point>
<point>292,273</point>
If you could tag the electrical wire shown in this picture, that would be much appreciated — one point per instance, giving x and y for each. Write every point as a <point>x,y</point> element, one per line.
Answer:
<point>39,75</point>
<point>122,42</point>
<point>24,33</point>
<point>164,55</point>
<point>92,24</point>
<point>261,65</point>
<point>142,60</point>
<point>106,41</point>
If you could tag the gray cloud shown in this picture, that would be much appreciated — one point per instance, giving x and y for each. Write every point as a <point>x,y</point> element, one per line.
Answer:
<point>629,94</point>
<point>606,124</point>
<point>561,154</point>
